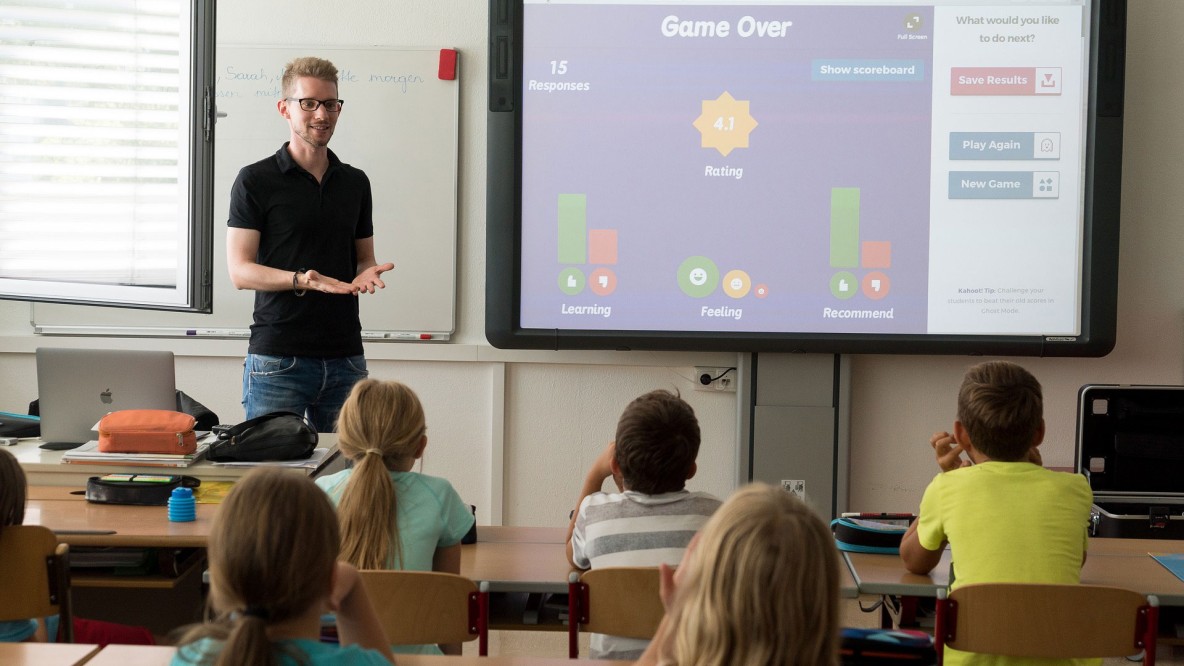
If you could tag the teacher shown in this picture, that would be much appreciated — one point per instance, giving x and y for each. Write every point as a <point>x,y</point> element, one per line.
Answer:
<point>301,235</point>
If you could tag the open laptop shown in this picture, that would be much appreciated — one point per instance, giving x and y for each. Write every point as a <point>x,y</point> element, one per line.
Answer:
<point>76,387</point>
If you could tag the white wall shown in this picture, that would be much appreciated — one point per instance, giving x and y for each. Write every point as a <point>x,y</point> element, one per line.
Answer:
<point>514,431</point>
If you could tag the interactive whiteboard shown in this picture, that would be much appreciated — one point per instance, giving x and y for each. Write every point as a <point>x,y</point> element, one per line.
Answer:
<point>399,124</point>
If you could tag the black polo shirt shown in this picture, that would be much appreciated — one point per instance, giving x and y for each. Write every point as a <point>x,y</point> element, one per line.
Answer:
<point>306,225</point>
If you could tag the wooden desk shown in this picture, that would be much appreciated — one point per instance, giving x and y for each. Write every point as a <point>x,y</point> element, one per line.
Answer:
<point>161,600</point>
<point>46,654</point>
<point>1116,562</point>
<point>140,655</point>
<point>82,523</point>
<point>511,559</point>
<point>524,559</point>
<point>518,559</point>
<point>45,468</point>
<point>521,559</point>
<point>516,566</point>
<point>504,534</point>
<point>508,566</point>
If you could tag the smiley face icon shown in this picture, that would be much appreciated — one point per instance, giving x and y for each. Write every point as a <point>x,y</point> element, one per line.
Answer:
<point>697,276</point>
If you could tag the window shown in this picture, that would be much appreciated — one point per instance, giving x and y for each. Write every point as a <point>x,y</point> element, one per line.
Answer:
<point>106,151</point>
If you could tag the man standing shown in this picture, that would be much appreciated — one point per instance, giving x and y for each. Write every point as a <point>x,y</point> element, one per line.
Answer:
<point>301,235</point>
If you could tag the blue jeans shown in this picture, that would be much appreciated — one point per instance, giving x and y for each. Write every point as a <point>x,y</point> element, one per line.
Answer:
<point>315,387</point>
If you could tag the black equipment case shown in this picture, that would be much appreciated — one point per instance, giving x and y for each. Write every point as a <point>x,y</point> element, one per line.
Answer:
<point>1130,445</point>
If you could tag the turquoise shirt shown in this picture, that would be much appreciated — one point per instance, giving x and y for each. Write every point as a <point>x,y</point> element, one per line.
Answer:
<point>17,630</point>
<point>204,651</point>
<point>431,515</point>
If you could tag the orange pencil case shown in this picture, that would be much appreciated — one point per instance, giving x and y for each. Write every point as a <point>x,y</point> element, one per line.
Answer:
<point>147,431</point>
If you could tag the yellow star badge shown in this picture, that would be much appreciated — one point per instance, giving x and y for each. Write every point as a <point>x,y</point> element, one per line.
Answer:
<point>725,124</point>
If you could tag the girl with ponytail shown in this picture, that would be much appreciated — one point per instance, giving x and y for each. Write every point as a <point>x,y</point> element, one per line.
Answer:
<point>392,517</point>
<point>273,572</point>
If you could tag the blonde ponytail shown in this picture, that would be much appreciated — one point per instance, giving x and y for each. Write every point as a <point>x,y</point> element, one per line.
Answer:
<point>381,428</point>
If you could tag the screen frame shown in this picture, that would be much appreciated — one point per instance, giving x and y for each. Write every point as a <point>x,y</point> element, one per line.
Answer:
<point>1101,194</point>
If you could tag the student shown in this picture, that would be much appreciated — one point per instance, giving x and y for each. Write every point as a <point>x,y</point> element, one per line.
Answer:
<point>653,518</point>
<point>13,490</point>
<point>759,585</point>
<point>392,517</point>
<point>1006,518</point>
<point>273,571</point>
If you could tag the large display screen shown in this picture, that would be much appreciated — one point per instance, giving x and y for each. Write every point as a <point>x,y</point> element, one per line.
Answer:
<point>826,176</point>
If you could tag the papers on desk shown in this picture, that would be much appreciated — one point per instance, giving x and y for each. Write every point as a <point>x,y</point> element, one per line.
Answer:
<point>89,454</point>
<point>312,462</point>
<point>1173,562</point>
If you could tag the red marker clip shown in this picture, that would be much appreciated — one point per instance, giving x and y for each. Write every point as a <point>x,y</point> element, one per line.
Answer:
<point>447,67</point>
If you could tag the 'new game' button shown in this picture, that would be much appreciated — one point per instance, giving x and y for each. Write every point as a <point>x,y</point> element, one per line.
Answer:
<point>1004,184</point>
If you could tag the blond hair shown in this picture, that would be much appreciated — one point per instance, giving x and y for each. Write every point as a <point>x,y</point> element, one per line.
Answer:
<point>380,428</point>
<point>317,68</point>
<point>272,553</point>
<point>1001,406</point>
<point>12,490</point>
<point>760,587</point>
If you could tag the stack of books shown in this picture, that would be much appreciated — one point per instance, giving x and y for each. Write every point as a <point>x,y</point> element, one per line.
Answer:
<point>89,454</point>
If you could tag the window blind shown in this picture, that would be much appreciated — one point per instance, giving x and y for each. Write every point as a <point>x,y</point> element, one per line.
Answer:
<point>96,119</point>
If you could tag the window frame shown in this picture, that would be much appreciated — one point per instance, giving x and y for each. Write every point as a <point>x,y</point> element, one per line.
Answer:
<point>194,289</point>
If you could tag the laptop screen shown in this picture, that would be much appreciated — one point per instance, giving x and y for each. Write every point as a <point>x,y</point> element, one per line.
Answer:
<point>76,387</point>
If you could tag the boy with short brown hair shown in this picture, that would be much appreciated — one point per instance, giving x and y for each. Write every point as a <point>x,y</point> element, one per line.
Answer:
<point>1006,518</point>
<point>653,518</point>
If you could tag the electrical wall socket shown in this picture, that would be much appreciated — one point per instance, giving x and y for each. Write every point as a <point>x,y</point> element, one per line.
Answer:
<point>715,379</point>
<point>795,486</point>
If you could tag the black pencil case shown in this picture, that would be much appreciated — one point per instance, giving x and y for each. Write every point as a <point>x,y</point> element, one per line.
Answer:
<point>140,489</point>
<point>867,536</point>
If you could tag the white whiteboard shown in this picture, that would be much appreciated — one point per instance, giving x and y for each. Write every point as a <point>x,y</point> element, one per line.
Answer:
<point>399,124</point>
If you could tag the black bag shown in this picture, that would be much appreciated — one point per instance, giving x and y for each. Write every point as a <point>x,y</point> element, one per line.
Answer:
<point>19,425</point>
<point>274,436</point>
<point>205,417</point>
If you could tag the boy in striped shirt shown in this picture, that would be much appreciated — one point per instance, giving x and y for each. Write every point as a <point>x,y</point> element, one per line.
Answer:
<point>652,518</point>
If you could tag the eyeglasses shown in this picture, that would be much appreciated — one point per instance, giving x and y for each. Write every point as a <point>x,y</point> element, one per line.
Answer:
<point>312,104</point>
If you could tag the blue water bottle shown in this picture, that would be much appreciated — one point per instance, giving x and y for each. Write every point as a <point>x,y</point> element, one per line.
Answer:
<point>182,506</point>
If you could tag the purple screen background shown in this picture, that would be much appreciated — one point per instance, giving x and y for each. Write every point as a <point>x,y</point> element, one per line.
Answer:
<point>629,145</point>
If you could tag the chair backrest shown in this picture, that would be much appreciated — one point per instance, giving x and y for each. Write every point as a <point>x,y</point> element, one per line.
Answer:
<point>35,577</point>
<point>621,601</point>
<point>422,607</point>
<point>1052,621</point>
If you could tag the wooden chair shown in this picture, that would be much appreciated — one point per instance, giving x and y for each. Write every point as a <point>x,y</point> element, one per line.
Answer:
<point>1053,621</point>
<point>421,607</point>
<point>622,601</point>
<point>35,577</point>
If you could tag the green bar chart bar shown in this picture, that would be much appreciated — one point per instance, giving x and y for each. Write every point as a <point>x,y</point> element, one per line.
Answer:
<point>844,227</point>
<point>573,228</point>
